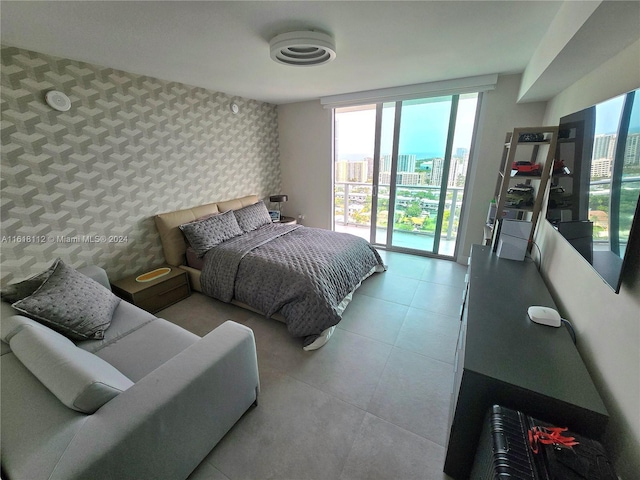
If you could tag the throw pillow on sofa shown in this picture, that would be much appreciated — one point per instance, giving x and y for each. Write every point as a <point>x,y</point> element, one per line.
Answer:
<point>71,303</point>
<point>17,291</point>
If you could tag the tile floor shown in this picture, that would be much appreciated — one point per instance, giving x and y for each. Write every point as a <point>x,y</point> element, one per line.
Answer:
<point>373,403</point>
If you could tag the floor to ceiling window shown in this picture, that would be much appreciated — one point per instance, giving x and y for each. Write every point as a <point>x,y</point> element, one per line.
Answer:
<point>400,170</point>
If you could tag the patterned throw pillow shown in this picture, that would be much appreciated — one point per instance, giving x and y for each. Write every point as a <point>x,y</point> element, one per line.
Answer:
<point>17,291</point>
<point>253,216</point>
<point>205,234</point>
<point>71,303</point>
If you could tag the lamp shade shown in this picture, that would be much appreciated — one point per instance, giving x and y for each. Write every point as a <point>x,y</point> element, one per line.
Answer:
<point>278,198</point>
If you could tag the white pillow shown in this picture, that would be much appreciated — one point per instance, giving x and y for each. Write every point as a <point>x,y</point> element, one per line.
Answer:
<point>79,379</point>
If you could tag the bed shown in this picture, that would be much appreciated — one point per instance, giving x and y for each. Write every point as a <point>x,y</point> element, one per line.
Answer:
<point>302,276</point>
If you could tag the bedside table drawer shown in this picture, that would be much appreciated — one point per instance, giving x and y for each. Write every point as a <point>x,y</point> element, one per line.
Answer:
<point>160,288</point>
<point>156,294</point>
<point>163,298</point>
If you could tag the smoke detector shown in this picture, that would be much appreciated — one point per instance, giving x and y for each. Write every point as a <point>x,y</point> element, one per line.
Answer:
<point>303,49</point>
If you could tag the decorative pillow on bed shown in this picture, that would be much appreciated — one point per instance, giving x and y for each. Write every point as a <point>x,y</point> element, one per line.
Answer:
<point>71,303</point>
<point>205,234</point>
<point>253,216</point>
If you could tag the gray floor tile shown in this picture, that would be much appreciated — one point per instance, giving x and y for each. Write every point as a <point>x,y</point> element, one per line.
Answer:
<point>374,318</point>
<point>429,334</point>
<point>349,366</point>
<point>414,393</point>
<point>445,272</point>
<point>385,451</point>
<point>296,432</point>
<point>200,314</point>
<point>438,298</point>
<point>403,265</point>
<point>390,287</point>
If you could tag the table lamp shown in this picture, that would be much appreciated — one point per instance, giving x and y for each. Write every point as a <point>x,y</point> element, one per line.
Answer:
<point>278,199</point>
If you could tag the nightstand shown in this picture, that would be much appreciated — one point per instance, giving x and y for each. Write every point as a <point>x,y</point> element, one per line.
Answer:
<point>288,220</point>
<point>155,294</point>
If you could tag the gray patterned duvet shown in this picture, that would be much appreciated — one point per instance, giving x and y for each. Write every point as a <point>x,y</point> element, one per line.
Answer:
<point>301,272</point>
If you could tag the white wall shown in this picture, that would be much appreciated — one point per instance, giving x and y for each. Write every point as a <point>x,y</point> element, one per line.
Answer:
<point>305,162</point>
<point>607,325</point>
<point>500,113</point>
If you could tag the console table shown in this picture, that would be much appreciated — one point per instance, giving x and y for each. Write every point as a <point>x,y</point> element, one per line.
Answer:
<point>504,358</point>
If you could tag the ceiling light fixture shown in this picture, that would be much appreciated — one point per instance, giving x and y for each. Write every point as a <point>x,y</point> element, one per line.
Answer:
<point>303,49</point>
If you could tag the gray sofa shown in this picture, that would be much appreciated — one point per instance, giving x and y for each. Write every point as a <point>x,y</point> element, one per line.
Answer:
<point>171,397</point>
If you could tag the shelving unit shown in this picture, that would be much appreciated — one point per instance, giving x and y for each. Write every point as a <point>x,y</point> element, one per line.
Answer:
<point>534,152</point>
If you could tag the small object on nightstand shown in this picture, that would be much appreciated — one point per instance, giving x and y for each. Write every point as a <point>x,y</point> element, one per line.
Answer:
<point>158,288</point>
<point>275,215</point>
<point>287,220</point>
<point>153,274</point>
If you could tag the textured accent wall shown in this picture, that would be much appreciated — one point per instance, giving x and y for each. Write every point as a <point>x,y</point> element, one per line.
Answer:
<point>85,184</point>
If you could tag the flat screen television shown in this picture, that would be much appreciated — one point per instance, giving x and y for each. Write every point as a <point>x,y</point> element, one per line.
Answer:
<point>594,196</point>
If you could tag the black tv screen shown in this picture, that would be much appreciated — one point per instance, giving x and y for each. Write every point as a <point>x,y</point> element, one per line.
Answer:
<point>595,186</point>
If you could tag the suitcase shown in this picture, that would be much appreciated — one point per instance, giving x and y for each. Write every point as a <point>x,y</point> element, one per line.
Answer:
<point>509,439</point>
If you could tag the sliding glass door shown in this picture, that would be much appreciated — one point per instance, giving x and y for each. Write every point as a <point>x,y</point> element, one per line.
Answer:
<point>416,158</point>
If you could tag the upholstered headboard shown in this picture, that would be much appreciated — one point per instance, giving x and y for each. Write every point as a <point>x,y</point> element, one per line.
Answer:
<point>173,243</point>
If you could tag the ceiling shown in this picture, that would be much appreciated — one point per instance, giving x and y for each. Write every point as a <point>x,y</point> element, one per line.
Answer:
<point>224,46</point>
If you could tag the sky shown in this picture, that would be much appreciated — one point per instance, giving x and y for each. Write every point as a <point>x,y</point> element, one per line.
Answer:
<point>608,114</point>
<point>423,128</point>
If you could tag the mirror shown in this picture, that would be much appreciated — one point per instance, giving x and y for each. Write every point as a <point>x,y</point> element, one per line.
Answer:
<point>593,200</point>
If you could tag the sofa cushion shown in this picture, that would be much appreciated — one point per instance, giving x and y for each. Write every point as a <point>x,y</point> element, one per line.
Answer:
<point>205,234</point>
<point>126,319</point>
<point>71,303</point>
<point>253,216</point>
<point>79,379</point>
<point>141,351</point>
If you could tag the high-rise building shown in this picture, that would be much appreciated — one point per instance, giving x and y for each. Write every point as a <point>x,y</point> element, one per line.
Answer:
<point>385,163</point>
<point>369,161</point>
<point>601,167</point>
<point>436,171</point>
<point>341,171</point>
<point>604,145</point>
<point>403,178</point>
<point>456,172</point>
<point>632,150</point>
<point>406,163</point>
<point>357,171</point>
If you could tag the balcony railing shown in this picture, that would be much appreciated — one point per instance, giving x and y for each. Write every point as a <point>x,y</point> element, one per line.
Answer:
<point>356,200</point>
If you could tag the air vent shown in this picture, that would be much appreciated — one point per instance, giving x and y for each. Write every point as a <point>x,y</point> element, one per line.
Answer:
<point>303,49</point>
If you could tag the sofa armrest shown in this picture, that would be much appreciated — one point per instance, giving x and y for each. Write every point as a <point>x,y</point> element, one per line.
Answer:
<point>96,273</point>
<point>163,426</point>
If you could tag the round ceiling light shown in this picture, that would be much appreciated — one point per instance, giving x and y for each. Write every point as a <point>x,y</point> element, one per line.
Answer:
<point>303,49</point>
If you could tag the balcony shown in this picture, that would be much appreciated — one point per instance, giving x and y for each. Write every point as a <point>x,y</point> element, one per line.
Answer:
<point>415,215</point>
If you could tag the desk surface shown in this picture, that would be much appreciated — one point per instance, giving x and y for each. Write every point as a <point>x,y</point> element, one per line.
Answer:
<point>506,359</point>
<point>502,343</point>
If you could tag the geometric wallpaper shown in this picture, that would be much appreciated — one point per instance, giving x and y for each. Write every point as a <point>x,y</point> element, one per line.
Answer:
<point>85,184</point>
